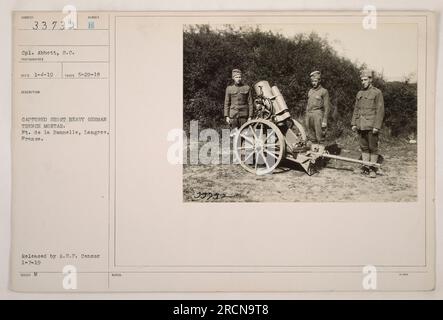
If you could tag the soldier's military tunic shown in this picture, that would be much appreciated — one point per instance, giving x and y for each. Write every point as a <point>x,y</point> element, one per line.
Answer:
<point>317,112</point>
<point>238,104</point>
<point>369,111</point>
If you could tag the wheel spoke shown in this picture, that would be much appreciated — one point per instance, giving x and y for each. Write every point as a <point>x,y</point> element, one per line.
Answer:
<point>271,154</point>
<point>261,132</point>
<point>247,158</point>
<point>247,139</point>
<point>264,159</point>
<point>269,135</point>
<point>253,131</point>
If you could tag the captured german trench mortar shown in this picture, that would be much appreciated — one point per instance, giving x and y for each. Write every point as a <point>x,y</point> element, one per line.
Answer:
<point>272,135</point>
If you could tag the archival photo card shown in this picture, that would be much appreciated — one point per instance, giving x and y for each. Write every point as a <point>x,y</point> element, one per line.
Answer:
<point>223,151</point>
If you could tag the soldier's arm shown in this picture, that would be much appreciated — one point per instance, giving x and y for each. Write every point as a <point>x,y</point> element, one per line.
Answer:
<point>227,103</point>
<point>250,104</point>
<point>307,100</point>
<point>354,115</point>
<point>327,105</point>
<point>380,110</point>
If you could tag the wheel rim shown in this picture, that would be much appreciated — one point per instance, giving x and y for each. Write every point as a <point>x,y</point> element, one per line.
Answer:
<point>259,146</point>
<point>300,130</point>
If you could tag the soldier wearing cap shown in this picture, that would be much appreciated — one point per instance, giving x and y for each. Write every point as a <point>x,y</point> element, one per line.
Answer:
<point>367,120</point>
<point>238,106</point>
<point>317,110</point>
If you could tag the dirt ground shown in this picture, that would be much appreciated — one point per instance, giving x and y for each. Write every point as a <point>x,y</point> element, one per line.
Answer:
<point>337,181</point>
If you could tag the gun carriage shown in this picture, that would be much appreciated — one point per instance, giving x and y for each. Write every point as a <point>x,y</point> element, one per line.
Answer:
<point>262,143</point>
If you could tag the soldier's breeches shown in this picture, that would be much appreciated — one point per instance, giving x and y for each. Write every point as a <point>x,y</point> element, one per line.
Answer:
<point>313,125</point>
<point>237,122</point>
<point>368,141</point>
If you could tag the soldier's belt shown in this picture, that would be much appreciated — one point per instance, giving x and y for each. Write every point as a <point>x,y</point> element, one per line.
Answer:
<point>239,106</point>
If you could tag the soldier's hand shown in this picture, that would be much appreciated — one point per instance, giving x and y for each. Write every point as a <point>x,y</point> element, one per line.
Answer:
<point>354,128</point>
<point>228,120</point>
<point>324,125</point>
<point>374,130</point>
<point>249,119</point>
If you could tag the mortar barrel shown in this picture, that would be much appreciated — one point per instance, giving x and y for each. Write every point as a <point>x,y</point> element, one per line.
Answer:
<point>280,104</point>
<point>263,87</point>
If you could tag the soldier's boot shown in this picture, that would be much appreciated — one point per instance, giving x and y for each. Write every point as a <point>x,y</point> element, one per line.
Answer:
<point>373,170</point>
<point>365,157</point>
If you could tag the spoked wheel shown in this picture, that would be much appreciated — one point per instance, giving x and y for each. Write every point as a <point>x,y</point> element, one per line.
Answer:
<point>259,146</point>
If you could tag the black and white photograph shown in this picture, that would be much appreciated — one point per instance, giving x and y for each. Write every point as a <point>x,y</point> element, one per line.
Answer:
<point>300,112</point>
<point>238,153</point>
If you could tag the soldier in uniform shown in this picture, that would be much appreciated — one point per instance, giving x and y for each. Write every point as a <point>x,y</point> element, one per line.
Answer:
<point>367,120</point>
<point>238,106</point>
<point>317,110</point>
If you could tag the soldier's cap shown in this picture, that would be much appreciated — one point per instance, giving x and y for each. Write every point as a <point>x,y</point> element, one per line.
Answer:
<point>236,72</point>
<point>366,73</point>
<point>315,74</point>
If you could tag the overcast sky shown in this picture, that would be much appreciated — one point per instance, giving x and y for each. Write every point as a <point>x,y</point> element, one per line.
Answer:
<point>391,48</point>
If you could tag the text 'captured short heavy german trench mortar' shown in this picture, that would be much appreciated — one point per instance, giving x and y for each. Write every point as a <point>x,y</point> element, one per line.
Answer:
<point>272,135</point>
